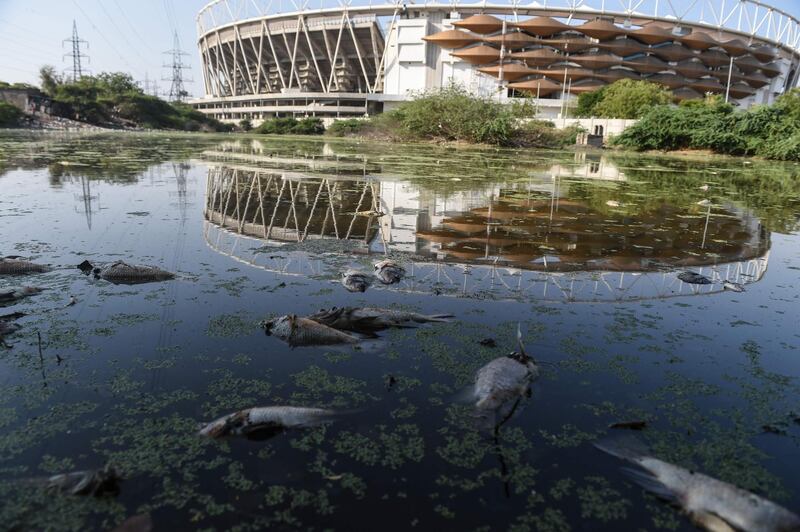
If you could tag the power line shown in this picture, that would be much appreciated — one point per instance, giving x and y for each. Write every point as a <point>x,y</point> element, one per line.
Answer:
<point>177,92</point>
<point>132,47</point>
<point>132,26</point>
<point>75,54</point>
<point>102,35</point>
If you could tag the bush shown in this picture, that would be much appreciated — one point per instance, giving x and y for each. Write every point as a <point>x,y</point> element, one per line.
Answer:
<point>587,103</point>
<point>543,134</point>
<point>629,98</point>
<point>291,126</point>
<point>245,124</point>
<point>348,127</point>
<point>10,115</point>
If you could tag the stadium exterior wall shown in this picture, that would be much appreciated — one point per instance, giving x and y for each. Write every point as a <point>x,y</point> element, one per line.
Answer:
<point>348,61</point>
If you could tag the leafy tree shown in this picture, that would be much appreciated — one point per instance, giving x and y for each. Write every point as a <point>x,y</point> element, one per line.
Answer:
<point>629,98</point>
<point>50,79</point>
<point>587,103</point>
<point>245,124</point>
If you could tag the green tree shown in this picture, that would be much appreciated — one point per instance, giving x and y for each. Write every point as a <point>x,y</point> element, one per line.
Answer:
<point>50,79</point>
<point>10,115</point>
<point>587,103</point>
<point>245,124</point>
<point>629,98</point>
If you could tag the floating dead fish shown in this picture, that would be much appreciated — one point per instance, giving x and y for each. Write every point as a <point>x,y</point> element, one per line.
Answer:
<point>19,266</point>
<point>123,273</point>
<point>97,482</point>
<point>710,503</point>
<point>368,320</point>
<point>704,188</point>
<point>693,278</point>
<point>488,342</point>
<point>732,286</point>
<point>304,332</point>
<point>612,203</point>
<point>376,214</point>
<point>14,294</point>
<point>266,421</point>
<point>355,281</point>
<point>8,328</point>
<point>389,272</point>
<point>632,425</point>
<point>704,203</point>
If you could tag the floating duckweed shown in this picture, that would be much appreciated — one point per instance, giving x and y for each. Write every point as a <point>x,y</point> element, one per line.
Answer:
<point>600,501</point>
<point>230,325</point>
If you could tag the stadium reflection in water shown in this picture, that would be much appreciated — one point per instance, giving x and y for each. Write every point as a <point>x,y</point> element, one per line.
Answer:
<point>550,235</point>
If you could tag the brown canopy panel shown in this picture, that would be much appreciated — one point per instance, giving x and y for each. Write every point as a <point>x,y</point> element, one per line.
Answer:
<point>722,74</point>
<point>614,74</point>
<point>571,73</point>
<point>507,71</point>
<point>747,63</point>
<point>648,64</point>
<point>652,34</point>
<point>756,79</point>
<point>741,90</point>
<point>691,68</point>
<point>622,47</point>
<point>595,60</point>
<point>540,57</point>
<point>451,39</point>
<point>698,40</point>
<point>707,85</point>
<point>482,24</point>
<point>715,58</point>
<point>763,53</point>
<point>478,55</point>
<point>570,44</point>
<point>542,26</point>
<point>587,85</point>
<point>513,40</point>
<point>602,30</point>
<point>735,47</point>
<point>542,86</point>
<point>771,69</point>
<point>671,81</point>
<point>686,94</point>
<point>672,52</point>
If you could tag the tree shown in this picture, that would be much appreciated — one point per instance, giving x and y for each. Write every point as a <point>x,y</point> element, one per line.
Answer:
<point>50,79</point>
<point>587,103</point>
<point>245,124</point>
<point>629,98</point>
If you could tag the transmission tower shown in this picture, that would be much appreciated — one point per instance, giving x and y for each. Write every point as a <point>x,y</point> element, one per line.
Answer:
<point>75,54</point>
<point>177,92</point>
<point>149,86</point>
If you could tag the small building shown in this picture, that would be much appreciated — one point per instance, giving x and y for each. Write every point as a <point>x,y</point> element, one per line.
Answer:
<point>28,100</point>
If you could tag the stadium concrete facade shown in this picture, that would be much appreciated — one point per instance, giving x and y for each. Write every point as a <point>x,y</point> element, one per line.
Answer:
<point>268,59</point>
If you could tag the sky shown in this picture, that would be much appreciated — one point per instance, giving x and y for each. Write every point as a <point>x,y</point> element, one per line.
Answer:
<point>123,35</point>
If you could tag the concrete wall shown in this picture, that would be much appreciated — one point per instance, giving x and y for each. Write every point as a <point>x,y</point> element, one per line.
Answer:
<point>16,97</point>
<point>610,126</point>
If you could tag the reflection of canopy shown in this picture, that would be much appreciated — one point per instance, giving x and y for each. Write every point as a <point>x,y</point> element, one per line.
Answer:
<point>289,207</point>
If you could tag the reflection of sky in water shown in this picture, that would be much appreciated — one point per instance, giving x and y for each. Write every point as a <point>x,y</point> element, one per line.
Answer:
<point>141,365</point>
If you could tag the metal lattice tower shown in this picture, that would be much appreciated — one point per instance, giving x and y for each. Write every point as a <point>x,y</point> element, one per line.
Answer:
<point>177,92</point>
<point>75,54</point>
<point>149,86</point>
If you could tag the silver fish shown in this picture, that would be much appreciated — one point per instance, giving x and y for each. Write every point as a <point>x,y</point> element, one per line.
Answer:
<point>122,273</point>
<point>14,294</point>
<point>371,319</point>
<point>693,278</point>
<point>93,482</point>
<point>732,286</point>
<point>297,331</point>
<point>355,281</point>
<point>7,328</point>
<point>504,379</point>
<point>20,266</point>
<point>389,272</point>
<point>266,419</point>
<point>712,504</point>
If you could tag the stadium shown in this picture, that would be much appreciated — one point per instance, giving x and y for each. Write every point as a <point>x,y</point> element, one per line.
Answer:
<point>264,59</point>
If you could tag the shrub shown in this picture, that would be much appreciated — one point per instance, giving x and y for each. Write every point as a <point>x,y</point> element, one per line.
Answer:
<point>629,98</point>
<point>587,103</point>
<point>543,134</point>
<point>10,115</point>
<point>291,126</point>
<point>347,127</point>
<point>245,124</point>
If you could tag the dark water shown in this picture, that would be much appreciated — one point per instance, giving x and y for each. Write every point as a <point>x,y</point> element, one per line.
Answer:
<point>582,251</point>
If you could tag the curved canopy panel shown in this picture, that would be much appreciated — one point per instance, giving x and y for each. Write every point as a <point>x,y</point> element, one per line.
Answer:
<point>542,86</point>
<point>482,24</point>
<point>707,85</point>
<point>671,81</point>
<point>699,40</point>
<point>672,52</point>
<point>451,39</point>
<point>648,64</point>
<point>542,26</point>
<point>615,74</point>
<point>714,58</point>
<point>691,68</point>
<point>594,60</point>
<point>507,71</point>
<point>587,85</point>
<point>756,79</point>
<point>735,47</point>
<point>764,53</point>
<point>652,34</point>
<point>722,74</point>
<point>602,30</point>
<point>741,90</point>
<point>570,44</point>
<point>513,40</point>
<point>559,74</point>
<point>747,63</point>
<point>622,47</point>
<point>539,57</point>
<point>686,94</point>
<point>771,69</point>
<point>478,55</point>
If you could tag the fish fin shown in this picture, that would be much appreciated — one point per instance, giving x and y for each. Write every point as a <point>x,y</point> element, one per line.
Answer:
<point>651,484</point>
<point>439,317</point>
<point>623,447</point>
<point>710,522</point>
<point>465,395</point>
<point>521,346</point>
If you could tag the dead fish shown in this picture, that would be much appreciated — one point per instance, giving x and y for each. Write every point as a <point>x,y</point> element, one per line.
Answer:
<point>303,332</point>
<point>693,278</point>
<point>7,328</point>
<point>355,281</point>
<point>97,482</point>
<point>367,320</point>
<point>123,273</point>
<point>704,203</point>
<point>712,504</point>
<point>266,420</point>
<point>612,203</point>
<point>488,342</point>
<point>732,286</point>
<point>504,378</point>
<point>19,266</point>
<point>704,188</point>
<point>14,294</point>
<point>389,272</point>
<point>632,425</point>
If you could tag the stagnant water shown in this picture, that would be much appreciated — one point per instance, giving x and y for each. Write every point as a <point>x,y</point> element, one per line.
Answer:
<point>581,250</point>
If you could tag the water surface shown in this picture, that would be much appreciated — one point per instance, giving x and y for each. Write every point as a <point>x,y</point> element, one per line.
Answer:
<point>581,250</point>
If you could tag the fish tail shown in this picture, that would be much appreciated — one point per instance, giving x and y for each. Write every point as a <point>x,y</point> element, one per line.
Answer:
<point>650,483</point>
<point>521,346</point>
<point>624,448</point>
